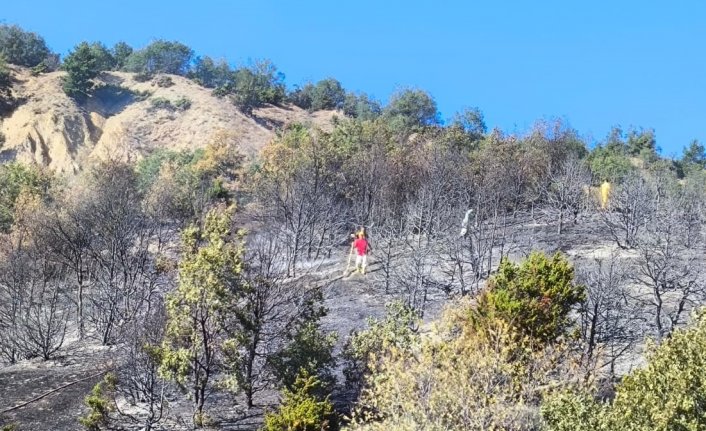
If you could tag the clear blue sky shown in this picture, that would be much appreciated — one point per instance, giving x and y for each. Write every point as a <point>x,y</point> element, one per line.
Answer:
<point>593,63</point>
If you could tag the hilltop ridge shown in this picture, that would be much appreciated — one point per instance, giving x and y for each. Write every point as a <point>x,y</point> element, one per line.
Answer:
<point>128,119</point>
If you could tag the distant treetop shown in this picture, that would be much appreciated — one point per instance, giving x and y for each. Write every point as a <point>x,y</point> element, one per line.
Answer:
<point>21,47</point>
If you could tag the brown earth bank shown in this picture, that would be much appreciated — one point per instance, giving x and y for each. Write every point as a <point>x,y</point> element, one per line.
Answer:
<point>124,120</point>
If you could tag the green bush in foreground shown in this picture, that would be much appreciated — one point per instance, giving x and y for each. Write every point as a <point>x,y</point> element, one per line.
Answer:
<point>668,394</point>
<point>301,409</point>
<point>535,297</point>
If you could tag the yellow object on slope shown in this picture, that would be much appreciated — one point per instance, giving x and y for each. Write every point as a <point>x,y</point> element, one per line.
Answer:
<point>605,194</point>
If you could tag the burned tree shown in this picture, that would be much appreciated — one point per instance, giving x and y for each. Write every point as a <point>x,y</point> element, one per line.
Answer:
<point>123,273</point>
<point>565,191</point>
<point>668,270</point>
<point>610,321</point>
<point>630,209</point>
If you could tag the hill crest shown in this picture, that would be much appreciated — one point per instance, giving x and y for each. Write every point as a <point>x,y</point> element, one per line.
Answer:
<point>129,119</point>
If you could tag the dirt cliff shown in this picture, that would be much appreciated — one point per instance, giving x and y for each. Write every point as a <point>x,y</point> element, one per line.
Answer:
<point>128,119</point>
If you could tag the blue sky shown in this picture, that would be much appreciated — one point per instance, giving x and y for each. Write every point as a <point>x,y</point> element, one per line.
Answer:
<point>594,64</point>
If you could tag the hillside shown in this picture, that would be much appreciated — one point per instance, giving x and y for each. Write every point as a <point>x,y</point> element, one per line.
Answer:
<point>51,129</point>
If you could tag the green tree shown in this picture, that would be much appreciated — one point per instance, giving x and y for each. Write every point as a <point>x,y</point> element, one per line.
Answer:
<point>16,178</point>
<point>104,58</point>
<point>535,297</point>
<point>309,350</point>
<point>120,52</point>
<point>410,109</point>
<point>643,144</point>
<point>82,66</point>
<point>21,47</point>
<point>609,163</point>
<point>210,74</point>
<point>472,122</point>
<point>301,96</point>
<point>327,94</point>
<point>254,86</point>
<point>361,106</point>
<point>198,311</point>
<point>694,156</point>
<point>302,409</point>
<point>161,56</point>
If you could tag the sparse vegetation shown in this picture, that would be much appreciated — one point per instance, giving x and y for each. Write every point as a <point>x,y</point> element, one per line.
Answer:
<point>164,81</point>
<point>180,104</point>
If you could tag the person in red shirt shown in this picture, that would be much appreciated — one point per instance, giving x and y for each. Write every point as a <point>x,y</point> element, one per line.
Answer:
<point>361,247</point>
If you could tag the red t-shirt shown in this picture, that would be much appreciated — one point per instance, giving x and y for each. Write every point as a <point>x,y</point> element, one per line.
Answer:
<point>361,244</point>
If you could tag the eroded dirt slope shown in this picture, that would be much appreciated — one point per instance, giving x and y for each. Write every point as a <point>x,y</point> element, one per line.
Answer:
<point>50,129</point>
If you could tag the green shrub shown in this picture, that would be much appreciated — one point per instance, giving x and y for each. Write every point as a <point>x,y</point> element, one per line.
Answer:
<point>535,297</point>
<point>573,411</point>
<point>39,69</point>
<point>210,74</point>
<point>182,103</point>
<point>141,95</point>
<point>100,405</point>
<point>301,96</point>
<point>397,331</point>
<point>361,106</point>
<point>161,103</point>
<point>16,178</point>
<point>164,81</point>
<point>301,409</point>
<point>669,393</point>
<point>251,87</point>
<point>7,100</point>
<point>309,350</point>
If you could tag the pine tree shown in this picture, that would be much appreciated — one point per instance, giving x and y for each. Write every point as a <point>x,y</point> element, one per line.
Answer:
<point>82,66</point>
<point>198,310</point>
